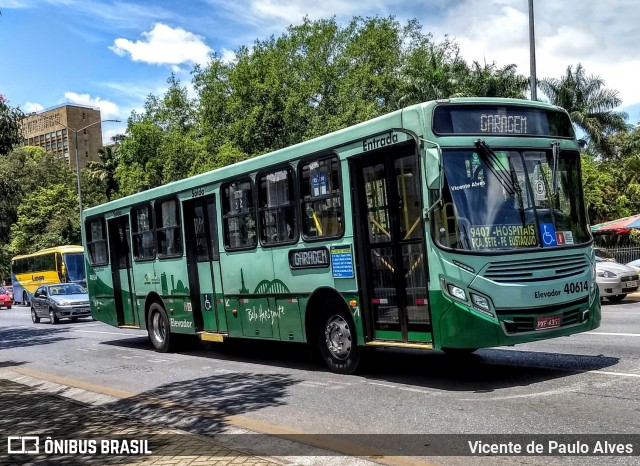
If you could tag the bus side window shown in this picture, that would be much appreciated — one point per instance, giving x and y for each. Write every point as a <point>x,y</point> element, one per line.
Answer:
<point>143,234</point>
<point>168,231</point>
<point>239,215</point>
<point>276,200</point>
<point>97,242</point>
<point>321,199</point>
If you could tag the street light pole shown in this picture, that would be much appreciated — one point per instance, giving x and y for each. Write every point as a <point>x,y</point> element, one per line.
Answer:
<point>76,131</point>
<point>532,54</point>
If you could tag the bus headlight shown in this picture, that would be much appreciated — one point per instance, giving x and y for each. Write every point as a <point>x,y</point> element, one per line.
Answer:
<point>480,301</point>
<point>457,292</point>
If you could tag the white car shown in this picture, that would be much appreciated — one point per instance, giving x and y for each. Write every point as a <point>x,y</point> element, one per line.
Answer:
<point>634,264</point>
<point>615,280</point>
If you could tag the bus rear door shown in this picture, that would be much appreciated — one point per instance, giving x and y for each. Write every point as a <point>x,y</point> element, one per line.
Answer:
<point>203,263</point>
<point>390,239</point>
<point>123,291</point>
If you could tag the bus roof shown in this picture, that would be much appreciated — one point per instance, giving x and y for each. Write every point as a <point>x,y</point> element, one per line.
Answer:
<point>325,143</point>
<point>61,249</point>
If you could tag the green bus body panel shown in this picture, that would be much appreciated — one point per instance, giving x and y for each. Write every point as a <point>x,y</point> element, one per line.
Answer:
<point>256,294</point>
<point>207,297</point>
<point>102,302</point>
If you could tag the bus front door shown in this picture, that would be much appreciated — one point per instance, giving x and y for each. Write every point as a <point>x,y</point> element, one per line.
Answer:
<point>390,239</point>
<point>123,291</point>
<point>203,263</point>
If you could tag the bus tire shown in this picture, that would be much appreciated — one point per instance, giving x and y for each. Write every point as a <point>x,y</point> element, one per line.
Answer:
<point>34,317</point>
<point>336,338</point>
<point>159,329</point>
<point>53,318</point>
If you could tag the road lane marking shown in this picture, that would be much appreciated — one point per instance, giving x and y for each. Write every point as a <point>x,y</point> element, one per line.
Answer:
<point>110,333</point>
<point>613,334</point>
<point>621,374</point>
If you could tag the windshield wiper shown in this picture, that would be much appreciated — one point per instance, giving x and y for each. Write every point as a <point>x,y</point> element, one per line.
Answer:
<point>511,185</point>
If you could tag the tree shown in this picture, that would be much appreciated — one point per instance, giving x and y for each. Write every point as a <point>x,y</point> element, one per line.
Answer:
<point>10,131</point>
<point>47,217</point>
<point>590,105</point>
<point>104,170</point>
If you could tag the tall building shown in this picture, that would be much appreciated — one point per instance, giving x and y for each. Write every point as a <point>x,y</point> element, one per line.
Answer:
<point>53,129</point>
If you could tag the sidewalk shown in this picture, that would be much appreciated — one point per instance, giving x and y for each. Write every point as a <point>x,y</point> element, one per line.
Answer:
<point>28,411</point>
<point>73,424</point>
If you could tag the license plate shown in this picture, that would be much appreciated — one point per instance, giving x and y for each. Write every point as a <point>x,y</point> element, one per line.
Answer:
<point>631,284</point>
<point>548,322</point>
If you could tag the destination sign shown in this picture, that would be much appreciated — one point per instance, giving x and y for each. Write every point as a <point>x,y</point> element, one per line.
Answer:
<point>450,119</point>
<point>516,124</point>
<point>309,258</point>
<point>502,236</point>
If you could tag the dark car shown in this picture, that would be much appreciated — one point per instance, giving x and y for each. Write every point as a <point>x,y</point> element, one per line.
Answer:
<point>5,298</point>
<point>60,301</point>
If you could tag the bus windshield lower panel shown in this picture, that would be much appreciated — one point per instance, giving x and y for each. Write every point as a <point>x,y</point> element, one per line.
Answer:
<point>498,200</point>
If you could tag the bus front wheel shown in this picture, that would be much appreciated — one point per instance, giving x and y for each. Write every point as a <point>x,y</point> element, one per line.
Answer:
<point>159,330</point>
<point>336,337</point>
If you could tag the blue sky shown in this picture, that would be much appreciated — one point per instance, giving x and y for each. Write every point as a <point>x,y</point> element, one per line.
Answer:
<point>112,54</point>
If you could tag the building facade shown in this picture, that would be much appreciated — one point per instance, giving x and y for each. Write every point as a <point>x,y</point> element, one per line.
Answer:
<point>57,130</point>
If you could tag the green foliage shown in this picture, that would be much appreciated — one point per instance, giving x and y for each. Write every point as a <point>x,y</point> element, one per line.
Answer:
<point>10,132</point>
<point>47,217</point>
<point>103,171</point>
<point>590,105</point>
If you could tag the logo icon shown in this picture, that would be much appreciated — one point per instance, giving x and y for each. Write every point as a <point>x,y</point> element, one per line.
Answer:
<point>28,444</point>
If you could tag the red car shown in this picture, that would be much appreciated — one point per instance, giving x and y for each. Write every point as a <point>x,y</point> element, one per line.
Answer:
<point>5,299</point>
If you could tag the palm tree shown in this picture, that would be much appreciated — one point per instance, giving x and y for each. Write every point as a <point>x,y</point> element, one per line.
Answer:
<point>491,81</point>
<point>590,105</point>
<point>104,170</point>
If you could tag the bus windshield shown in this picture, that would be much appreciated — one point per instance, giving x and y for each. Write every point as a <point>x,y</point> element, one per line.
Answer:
<point>511,199</point>
<point>74,263</point>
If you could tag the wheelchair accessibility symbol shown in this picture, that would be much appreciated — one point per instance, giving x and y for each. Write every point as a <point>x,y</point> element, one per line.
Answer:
<point>548,235</point>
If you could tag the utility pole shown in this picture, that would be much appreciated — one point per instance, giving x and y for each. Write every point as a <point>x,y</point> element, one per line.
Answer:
<point>532,54</point>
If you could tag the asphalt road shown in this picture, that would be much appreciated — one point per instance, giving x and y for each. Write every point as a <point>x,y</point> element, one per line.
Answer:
<point>583,384</point>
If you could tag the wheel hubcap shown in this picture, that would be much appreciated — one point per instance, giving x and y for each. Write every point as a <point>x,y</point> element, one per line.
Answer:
<point>158,328</point>
<point>338,337</point>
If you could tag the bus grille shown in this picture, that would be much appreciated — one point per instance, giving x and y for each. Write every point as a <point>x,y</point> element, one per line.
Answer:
<point>550,268</point>
<point>524,320</point>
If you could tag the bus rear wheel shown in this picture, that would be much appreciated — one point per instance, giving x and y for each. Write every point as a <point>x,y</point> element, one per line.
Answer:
<point>159,329</point>
<point>336,337</point>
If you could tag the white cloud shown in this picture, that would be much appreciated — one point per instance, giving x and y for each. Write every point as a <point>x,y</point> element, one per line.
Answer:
<point>600,35</point>
<point>30,107</point>
<point>108,109</point>
<point>164,45</point>
<point>227,56</point>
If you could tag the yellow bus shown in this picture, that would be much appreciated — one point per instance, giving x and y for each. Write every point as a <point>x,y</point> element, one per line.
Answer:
<point>51,265</point>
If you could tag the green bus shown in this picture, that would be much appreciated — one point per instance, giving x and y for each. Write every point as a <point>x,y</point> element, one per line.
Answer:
<point>449,225</point>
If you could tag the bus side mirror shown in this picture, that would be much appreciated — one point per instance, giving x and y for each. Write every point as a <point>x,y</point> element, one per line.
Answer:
<point>433,169</point>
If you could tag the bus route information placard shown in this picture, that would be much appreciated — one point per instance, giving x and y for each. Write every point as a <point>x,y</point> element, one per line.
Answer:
<point>341,261</point>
